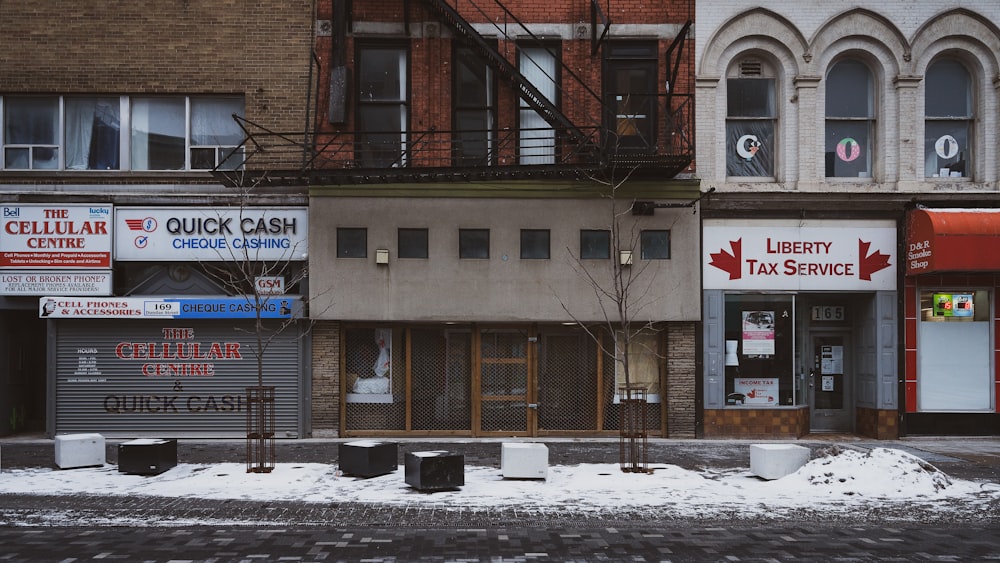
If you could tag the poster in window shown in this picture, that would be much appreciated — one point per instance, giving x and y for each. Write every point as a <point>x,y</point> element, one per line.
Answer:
<point>757,390</point>
<point>832,360</point>
<point>952,305</point>
<point>758,333</point>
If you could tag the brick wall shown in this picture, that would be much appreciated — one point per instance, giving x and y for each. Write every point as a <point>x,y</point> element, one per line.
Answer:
<point>681,380</point>
<point>326,379</point>
<point>260,49</point>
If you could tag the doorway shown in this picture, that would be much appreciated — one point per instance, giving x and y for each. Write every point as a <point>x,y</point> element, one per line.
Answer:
<point>830,393</point>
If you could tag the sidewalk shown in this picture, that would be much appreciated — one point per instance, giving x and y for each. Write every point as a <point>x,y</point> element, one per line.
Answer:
<point>720,464</point>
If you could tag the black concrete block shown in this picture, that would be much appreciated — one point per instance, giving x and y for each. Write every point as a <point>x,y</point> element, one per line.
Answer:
<point>435,470</point>
<point>367,458</point>
<point>147,457</point>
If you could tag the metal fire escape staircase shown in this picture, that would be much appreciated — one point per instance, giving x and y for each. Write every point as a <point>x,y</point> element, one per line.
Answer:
<point>545,107</point>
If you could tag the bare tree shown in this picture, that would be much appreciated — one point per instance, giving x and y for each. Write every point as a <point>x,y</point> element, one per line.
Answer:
<point>626,302</point>
<point>245,272</point>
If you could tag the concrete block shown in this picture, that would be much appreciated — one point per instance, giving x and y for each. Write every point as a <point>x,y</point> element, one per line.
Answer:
<point>774,461</point>
<point>79,450</point>
<point>434,471</point>
<point>524,460</point>
<point>147,456</point>
<point>368,458</point>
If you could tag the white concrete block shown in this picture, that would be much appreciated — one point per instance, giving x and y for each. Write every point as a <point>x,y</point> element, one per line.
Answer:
<point>774,461</point>
<point>524,460</point>
<point>79,450</point>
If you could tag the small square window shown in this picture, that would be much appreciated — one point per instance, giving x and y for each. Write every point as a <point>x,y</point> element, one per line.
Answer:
<point>473,243</point>
<point>595,244</point>
<point>534,244</point>
<point>413,243</point>
<point>352,243</point>
<point>655,245</point>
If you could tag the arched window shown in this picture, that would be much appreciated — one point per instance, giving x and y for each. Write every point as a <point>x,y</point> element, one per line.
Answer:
<point>948,113</point>
<point>850,120</point>
<point>751,119</point>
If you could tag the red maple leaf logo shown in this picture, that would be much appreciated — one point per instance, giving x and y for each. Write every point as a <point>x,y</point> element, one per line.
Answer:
<point>868,264</point>
<point>729,262</point>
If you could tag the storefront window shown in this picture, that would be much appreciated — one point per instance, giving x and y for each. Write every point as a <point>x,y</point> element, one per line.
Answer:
<point>760,345</point>
<point>953,351</point>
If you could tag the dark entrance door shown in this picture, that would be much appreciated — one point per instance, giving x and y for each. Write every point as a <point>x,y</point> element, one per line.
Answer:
<point>829,381</point>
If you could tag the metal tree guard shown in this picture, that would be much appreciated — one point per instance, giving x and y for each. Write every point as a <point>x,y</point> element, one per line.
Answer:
<point>633,457</point>
<point>260,429</point>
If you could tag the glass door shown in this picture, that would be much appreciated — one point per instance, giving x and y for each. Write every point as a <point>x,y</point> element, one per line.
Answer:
<point>829,383</point>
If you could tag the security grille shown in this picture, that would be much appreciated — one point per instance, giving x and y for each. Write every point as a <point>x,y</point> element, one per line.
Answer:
<point>504,380</point>
<point>507,382</point>
<point>567,382</point>
<point>441,372</point>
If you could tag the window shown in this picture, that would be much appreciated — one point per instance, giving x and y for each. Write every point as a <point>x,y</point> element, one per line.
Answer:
<point>655,245</point>
<point>631,90</point>
<point>215,134</point>
<point>352,243</point>
<point>948,110</point>
<point>751,119</point>
<point>760,354</point>
<point>475,110</point>
<point>595,244</point>
<point>382,106</point>
<point>535,244</point>
<point>412,243</point>
<point>537,140</point>
<point>93,133</point>
<point>85,133</point>
<point>954,351</point>
<point>31,133</point>
<point>473,243</point>
<point>850,120</point>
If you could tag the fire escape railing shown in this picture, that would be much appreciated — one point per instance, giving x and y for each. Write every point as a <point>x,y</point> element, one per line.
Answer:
<point>568,149</point>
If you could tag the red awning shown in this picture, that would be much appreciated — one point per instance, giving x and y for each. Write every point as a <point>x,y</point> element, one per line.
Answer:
<point>952,240</point>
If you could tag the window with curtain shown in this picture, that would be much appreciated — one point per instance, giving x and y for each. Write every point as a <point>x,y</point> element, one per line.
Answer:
<point>475,110</point>
<point>214,133</point>
<point>948,117</point>
<point>751,119</point>
<point>84,133</point>
<point>850,120</point>
<point>93,133</point>
<point>537,139</point>
<point>31,133</point>
<point>382,106</point>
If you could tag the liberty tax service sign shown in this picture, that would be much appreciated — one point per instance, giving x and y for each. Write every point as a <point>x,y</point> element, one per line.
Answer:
<point>211,234</point>
<point>799,255</point>
<point>57,236</point>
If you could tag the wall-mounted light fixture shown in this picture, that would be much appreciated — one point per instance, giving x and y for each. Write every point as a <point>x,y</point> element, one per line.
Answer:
<point>381,255</point>
<point>625,257</point>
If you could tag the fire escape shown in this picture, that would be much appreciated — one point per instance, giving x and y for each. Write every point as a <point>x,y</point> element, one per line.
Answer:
<point>589,145</point>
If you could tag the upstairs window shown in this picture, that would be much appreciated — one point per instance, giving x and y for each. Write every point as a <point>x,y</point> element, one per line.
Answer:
<point>352,242</point>
<point>631,90</point>
<point>31,133</point>
<point>850,120</point>
<point>474,243</point>
<point>80,133</point>
<point>655,245</point>
<point>537,139</point>
<point>382,106</point>
<point>751,120</point>
<point>949,115</point>
<point>535,244</point>
<point>475,110</point>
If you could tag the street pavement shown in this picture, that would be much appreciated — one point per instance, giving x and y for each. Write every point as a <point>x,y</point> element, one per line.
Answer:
<point>193,529</point>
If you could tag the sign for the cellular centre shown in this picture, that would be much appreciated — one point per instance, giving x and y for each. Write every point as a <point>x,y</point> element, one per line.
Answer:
<point>56,236</point>
<point>799,255</point>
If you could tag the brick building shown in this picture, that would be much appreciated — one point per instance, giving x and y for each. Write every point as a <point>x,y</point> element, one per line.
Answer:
<point>113,116</point>
<point>483,174</point>
<point>848,270</point>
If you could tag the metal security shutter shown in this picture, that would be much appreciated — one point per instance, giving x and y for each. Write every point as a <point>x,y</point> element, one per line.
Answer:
<point>145,378</point>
